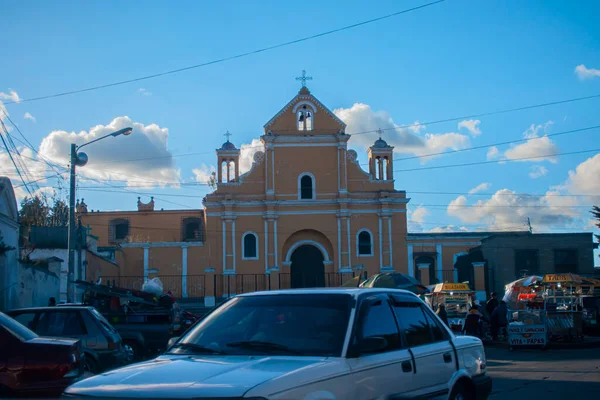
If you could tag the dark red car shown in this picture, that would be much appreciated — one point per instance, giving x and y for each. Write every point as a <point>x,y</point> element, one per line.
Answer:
<point>31,365</point>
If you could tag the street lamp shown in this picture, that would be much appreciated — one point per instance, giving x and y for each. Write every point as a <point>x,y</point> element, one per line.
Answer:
<point>79,160</point>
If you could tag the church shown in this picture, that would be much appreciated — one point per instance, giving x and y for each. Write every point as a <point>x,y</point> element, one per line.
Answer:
<point>305,215</point>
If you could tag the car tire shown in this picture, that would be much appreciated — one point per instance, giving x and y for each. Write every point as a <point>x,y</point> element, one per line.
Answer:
<point>462,391</point>
<point>90,365</point>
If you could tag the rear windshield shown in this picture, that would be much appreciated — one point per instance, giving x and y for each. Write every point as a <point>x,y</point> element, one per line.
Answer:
<point>16,328</point>
<point>105,324</point>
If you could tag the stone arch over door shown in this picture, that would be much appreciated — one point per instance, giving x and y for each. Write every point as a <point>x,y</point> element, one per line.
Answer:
<point>308,257</point>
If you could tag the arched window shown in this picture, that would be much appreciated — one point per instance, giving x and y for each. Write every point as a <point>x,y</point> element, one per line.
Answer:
<point>364,242</point>
<point>250,246</point>
<point>118,230</point>
<point>305,119</point>
<point>191,230</point>
<point>306,186</point>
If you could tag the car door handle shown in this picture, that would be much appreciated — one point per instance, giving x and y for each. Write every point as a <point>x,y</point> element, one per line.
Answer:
<point>447,357</point>
<point>406,366</point>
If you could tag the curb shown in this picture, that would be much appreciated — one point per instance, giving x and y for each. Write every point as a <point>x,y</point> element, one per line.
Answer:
<point>551,346</point>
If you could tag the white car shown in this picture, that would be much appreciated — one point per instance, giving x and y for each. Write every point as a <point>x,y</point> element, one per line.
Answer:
<point>308,344</point>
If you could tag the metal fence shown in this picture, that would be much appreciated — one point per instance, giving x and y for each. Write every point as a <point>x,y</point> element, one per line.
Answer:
<point>230,285</point>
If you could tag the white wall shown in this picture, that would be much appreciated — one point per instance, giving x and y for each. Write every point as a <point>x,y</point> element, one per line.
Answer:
<point>9,264</point>
<point>63,254</point>
<point>35,287</point>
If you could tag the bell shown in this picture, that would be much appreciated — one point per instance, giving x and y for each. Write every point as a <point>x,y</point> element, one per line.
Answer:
<point>308,115</point>
<point>301,118</point>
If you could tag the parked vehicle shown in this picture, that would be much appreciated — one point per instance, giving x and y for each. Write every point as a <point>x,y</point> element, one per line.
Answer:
<point>144,322</point>
<point>33,365</point>
<point>345,343</point>
<point>101,343</point>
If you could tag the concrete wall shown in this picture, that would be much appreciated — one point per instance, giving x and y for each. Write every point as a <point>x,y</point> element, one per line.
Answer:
<point>35,287</point>
<point>499,251</point>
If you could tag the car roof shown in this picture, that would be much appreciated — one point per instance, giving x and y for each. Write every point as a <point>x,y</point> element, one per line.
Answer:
<point>355,292</point>
<point>49,308</point>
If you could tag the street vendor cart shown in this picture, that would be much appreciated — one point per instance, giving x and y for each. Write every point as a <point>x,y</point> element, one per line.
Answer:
<point>528,324</point>
<point>455,297</point>
<point>562,295</point>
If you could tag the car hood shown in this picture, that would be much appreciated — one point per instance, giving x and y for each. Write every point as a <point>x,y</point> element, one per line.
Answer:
<point>191,376</point>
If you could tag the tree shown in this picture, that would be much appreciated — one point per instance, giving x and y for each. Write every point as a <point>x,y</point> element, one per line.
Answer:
<point>40,210</point>
<point>212,181</point>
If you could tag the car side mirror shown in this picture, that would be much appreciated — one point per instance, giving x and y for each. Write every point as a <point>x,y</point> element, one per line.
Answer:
<point>371,345</point>
<point>172,341</point>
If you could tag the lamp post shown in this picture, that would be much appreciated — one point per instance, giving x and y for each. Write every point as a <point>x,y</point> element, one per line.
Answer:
<point>79,160</point>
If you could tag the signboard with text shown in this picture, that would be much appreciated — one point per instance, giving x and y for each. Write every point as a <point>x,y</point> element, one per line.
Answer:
<point>521,335</point>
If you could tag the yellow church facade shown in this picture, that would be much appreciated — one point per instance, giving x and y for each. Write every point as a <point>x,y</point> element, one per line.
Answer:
<point>306,214</point>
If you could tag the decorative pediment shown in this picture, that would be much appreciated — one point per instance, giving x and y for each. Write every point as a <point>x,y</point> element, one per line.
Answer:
<point>305,115</point>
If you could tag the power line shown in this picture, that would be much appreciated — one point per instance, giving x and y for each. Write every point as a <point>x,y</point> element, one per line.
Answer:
<point>221,60</point>
<point>496,161</point>
<point>483,146</point>
<point>422,205</point>
<point>13,160</point>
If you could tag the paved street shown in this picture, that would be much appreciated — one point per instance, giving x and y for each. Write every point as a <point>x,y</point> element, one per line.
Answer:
<point>547,375</point>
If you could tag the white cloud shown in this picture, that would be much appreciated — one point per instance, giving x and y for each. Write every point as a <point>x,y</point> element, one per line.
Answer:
<point>492,153</point>
<point>586,73</point>
<point>540,148</point>
<point>586,178</point>
<point>247,154</point>
<point>140,159</point>
<point>11,96</point>
<point>360,117</point>
<point>472,125</point>
<point>204,173</point>
<point>481,187</point>
<point>29,116</point>
<point>37,171</point>
<point>448,229</point>
<point>144,92</point>
<point>507,210</point>
<point>537,171</point>
<point>419,214</point>
<point>417,127</point>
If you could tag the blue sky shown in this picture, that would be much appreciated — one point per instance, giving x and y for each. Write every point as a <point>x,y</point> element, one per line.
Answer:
<point>451,59</point>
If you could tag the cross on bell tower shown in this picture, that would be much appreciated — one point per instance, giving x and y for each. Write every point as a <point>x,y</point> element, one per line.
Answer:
<point>227,135</point>
<point>304,78</point>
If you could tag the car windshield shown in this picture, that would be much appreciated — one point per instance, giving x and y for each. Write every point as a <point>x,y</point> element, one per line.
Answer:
<point>282,324</point>
<point>16,328</point>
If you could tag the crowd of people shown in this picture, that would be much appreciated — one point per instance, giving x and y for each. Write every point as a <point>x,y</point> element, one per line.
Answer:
<point>494,315</point>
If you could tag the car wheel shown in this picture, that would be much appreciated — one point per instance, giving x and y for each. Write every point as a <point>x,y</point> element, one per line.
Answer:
<point>89,364</point>
<point>461,391</point>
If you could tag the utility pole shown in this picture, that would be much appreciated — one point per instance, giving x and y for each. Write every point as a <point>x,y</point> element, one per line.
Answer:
<point>71,236</point>
<point>79,159</point>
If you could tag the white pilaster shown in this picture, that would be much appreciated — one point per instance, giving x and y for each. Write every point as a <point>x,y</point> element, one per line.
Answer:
<point>224,230</point>
<point>233,242</point>
<point>275,242</point>
<point>411,261</point>
<point>339,237</point>
<point>391,265</point>
<point>184,271</point>
<point>438,249</point>
<point>380,245</point>
<point>266,240</point>
<point>349,247</point>
<point>145,263</point>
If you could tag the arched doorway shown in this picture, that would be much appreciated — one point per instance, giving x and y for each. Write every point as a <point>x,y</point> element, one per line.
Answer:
<point>307,269</point>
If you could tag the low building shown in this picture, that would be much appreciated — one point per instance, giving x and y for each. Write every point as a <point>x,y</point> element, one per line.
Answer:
<point>9,244</point>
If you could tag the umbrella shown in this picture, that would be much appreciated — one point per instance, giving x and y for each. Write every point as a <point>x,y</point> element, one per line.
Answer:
<point>512,290</point>
<point>397,280</point>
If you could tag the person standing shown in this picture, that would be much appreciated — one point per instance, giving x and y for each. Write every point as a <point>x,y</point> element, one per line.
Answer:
<point>499,319</point>
<point>441,312</point>
<point>471,325</point>
<point>51,302</point>
<point>492,304</point>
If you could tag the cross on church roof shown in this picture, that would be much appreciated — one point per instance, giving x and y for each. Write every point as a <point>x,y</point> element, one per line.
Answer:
<point>304,78</point>
<point>380,132</point>
<point>227,135</point>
